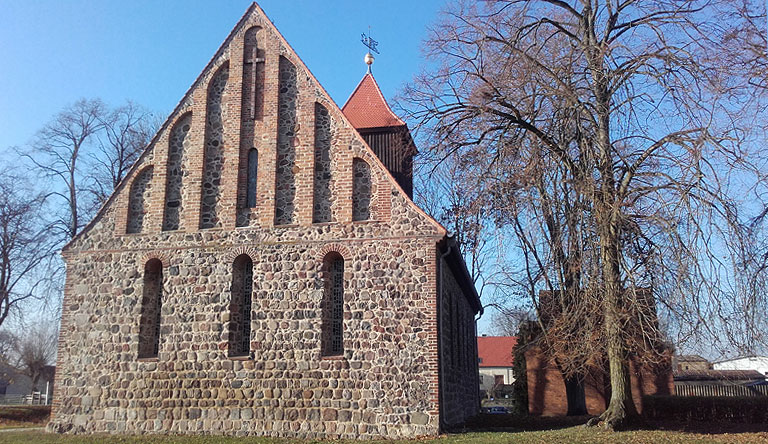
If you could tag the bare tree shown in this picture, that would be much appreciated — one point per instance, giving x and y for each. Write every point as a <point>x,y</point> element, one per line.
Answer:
<point>26,244</point>
<point>655,139</point>
<point>57,153</point>
<point>126,132</point>
<point>454,197</point>
<point>85,151</point>
<point>36,350</point>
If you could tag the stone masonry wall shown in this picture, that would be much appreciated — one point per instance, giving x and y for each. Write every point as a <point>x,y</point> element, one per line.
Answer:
<point>140,193</point>
<point>214,150</point>
<point>285,186</point>
<point>323,167</point>
<point>362,190</point>
<point>380,387</point>
<point>385,383</point>
<point>178,146</point>
<point>460,391</point>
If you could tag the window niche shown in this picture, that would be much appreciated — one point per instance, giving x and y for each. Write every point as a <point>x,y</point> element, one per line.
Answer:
<point>151,305</point>
<point>240,307</point>
<point>252,178</point>
<point>214,150</point>
<point>333,305</point>
<point>177,146</point>
<point>361,190</point>
<point>138,200</point>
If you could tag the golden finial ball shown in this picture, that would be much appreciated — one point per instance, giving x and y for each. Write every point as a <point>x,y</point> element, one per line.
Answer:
<point>369,59</point>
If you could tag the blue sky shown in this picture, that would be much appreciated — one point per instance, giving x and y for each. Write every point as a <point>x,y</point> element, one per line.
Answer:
<point>55,52</point>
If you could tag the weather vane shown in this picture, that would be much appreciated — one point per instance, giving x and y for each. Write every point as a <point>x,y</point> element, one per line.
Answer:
<point>371,45</point>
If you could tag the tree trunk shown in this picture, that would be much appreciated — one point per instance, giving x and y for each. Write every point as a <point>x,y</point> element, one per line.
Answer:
<point>621,410</point>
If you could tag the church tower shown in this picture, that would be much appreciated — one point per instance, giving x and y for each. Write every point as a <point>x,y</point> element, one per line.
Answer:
<point>388,136</point>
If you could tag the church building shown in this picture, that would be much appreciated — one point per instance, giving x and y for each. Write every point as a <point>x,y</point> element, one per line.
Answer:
<point>263,270</point>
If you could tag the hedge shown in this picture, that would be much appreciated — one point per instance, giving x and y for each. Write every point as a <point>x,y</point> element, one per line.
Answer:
<point>734,409</point>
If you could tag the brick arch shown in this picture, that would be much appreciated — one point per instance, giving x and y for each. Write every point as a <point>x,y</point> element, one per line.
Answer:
<point>335,248</point>
<point>163,256</point>
<point>238,251</point>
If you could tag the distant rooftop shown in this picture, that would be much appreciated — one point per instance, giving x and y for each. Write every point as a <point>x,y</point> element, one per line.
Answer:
<point>717,375</point>
<point>690,358</point>
<point>495,351</point>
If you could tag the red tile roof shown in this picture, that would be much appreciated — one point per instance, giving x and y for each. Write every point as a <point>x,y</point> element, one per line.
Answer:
<point>367,108</point>
<point>718,375</point>
<point>495,351</point>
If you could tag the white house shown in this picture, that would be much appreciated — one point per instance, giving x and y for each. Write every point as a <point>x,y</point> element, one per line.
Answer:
<point>495,360</point>
<point>758,363</point>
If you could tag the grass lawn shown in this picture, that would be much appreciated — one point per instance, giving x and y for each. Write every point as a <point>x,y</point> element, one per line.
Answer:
<point>23,416</point>
<point>568,435</point>
<point>486,429</point>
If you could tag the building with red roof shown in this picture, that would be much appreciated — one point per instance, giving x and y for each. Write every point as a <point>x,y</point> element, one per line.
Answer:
<point>495,359</point>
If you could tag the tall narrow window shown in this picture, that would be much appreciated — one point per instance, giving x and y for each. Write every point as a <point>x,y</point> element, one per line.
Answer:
<point>138,200</point>
<point>151,304</point>
<point>253,169</point>
<point>240,307</point>
<point>333,305</point>
<point>361,190</point>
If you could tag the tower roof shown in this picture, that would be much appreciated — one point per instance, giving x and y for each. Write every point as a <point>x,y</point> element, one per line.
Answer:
<point>367,108</point>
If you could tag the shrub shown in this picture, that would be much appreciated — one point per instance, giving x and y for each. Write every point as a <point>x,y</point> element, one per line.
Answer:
<point>737,409</point>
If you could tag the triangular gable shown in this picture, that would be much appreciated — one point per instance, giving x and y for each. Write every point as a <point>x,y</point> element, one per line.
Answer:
<point>211,65</point>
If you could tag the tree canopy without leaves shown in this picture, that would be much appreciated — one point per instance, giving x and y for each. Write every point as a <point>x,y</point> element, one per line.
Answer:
<point>615,138</point>
<point>85,151</point>
<point>26,245</point>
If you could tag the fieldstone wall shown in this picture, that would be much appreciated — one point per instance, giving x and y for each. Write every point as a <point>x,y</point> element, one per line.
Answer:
<point>285,191</point>
<point>361,190</point>
<point>323,168</point>
<point>178,145</point>
<point>138,200</point>
<point>214,150</point>
<point>459,374</point>
<point>385,384</point>
<point>380,387</point>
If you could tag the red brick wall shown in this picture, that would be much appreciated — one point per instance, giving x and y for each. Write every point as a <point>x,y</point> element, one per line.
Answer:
<point>546,387</point>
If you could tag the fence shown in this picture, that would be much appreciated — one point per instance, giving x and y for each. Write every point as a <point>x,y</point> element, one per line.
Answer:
<point>720,390</point>
<point>36,398</point>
